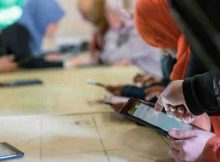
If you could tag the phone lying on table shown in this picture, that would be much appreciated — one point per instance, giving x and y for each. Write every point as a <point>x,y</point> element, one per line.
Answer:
<point>94,82</point>
<point>8,152</point>
<point>143,112</point>
<point>19,83</point>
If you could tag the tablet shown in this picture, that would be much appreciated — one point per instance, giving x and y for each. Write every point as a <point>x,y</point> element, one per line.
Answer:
<point>143,113</point>
<point>9,152</point>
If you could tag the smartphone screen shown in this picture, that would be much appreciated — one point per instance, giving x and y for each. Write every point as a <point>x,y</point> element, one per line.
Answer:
<point>4,151</point>
<point>146,114</point>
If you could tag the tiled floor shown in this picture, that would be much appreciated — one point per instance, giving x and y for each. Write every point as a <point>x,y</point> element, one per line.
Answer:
<point>50,127</point>
<point>63,92</point>
<point>80,138</point>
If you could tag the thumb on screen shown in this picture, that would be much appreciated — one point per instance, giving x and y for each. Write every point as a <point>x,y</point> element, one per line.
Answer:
<point>158,106</point>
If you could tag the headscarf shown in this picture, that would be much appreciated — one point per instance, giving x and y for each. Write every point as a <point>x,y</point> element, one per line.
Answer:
<point>157,27</point>
<point>94,11</point>
<point>37,15</point>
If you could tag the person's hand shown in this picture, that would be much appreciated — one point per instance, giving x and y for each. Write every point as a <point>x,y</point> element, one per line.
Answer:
<point>122,63</point>
<point>153,91</point>
<point>7,64</point>
<point>189,145</point>
<point>116,102</point>
<point>144,79</point>
<point>78,61</point>
<point>53,57</point>
<point>172,99</point>
<point>114,89</point>
<point>138,78</point>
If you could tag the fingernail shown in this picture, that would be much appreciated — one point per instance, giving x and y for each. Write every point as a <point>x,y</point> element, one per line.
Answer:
<point>157,109</point>
<point>172,132</point>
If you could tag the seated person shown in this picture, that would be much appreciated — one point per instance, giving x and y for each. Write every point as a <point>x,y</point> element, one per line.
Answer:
<point>24,38</point>
<point>122,43</point>
<point>194,96</point>
<point>93,11</point>
<point>119,44</point>
<point>164,33</point>
<point>186,64</point>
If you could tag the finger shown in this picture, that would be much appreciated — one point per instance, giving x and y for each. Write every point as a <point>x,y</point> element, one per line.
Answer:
<point>148,90</point>
<point>137,78</point>
<point>153,89</point>
<point>11,57</point>
<point>187,117</point>
<point>150,94</point>
<point>148,80</point>
<point>178,113</point>
<point>170,110</point>
<point>183,134</point>
<point>159,106</point>
<point>176,144</point>
<point>174,154</point>
<point>181,110</point>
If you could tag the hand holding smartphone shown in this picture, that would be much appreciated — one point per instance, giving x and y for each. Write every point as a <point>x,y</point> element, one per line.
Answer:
<point>144,113</point>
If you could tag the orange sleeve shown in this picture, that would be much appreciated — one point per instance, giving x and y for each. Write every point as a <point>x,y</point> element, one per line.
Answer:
<point>212,150</point>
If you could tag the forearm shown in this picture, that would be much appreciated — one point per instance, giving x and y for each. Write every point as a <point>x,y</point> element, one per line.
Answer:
<point>37,63</point>
<point>200,94</point>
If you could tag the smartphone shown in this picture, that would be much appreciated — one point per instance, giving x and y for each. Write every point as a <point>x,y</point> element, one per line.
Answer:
<point>94,82</point>
<point>8,152</point>
<point>18,83</point>
<point>143,112</point>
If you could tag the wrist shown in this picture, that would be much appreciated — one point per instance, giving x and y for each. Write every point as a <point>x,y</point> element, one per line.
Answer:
<point>189,98</point>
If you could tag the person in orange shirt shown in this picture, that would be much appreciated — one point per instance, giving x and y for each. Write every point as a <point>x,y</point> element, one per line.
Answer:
<point>157,27</point>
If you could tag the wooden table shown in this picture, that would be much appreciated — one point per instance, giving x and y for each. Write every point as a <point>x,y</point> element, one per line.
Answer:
<point>54,123</point>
